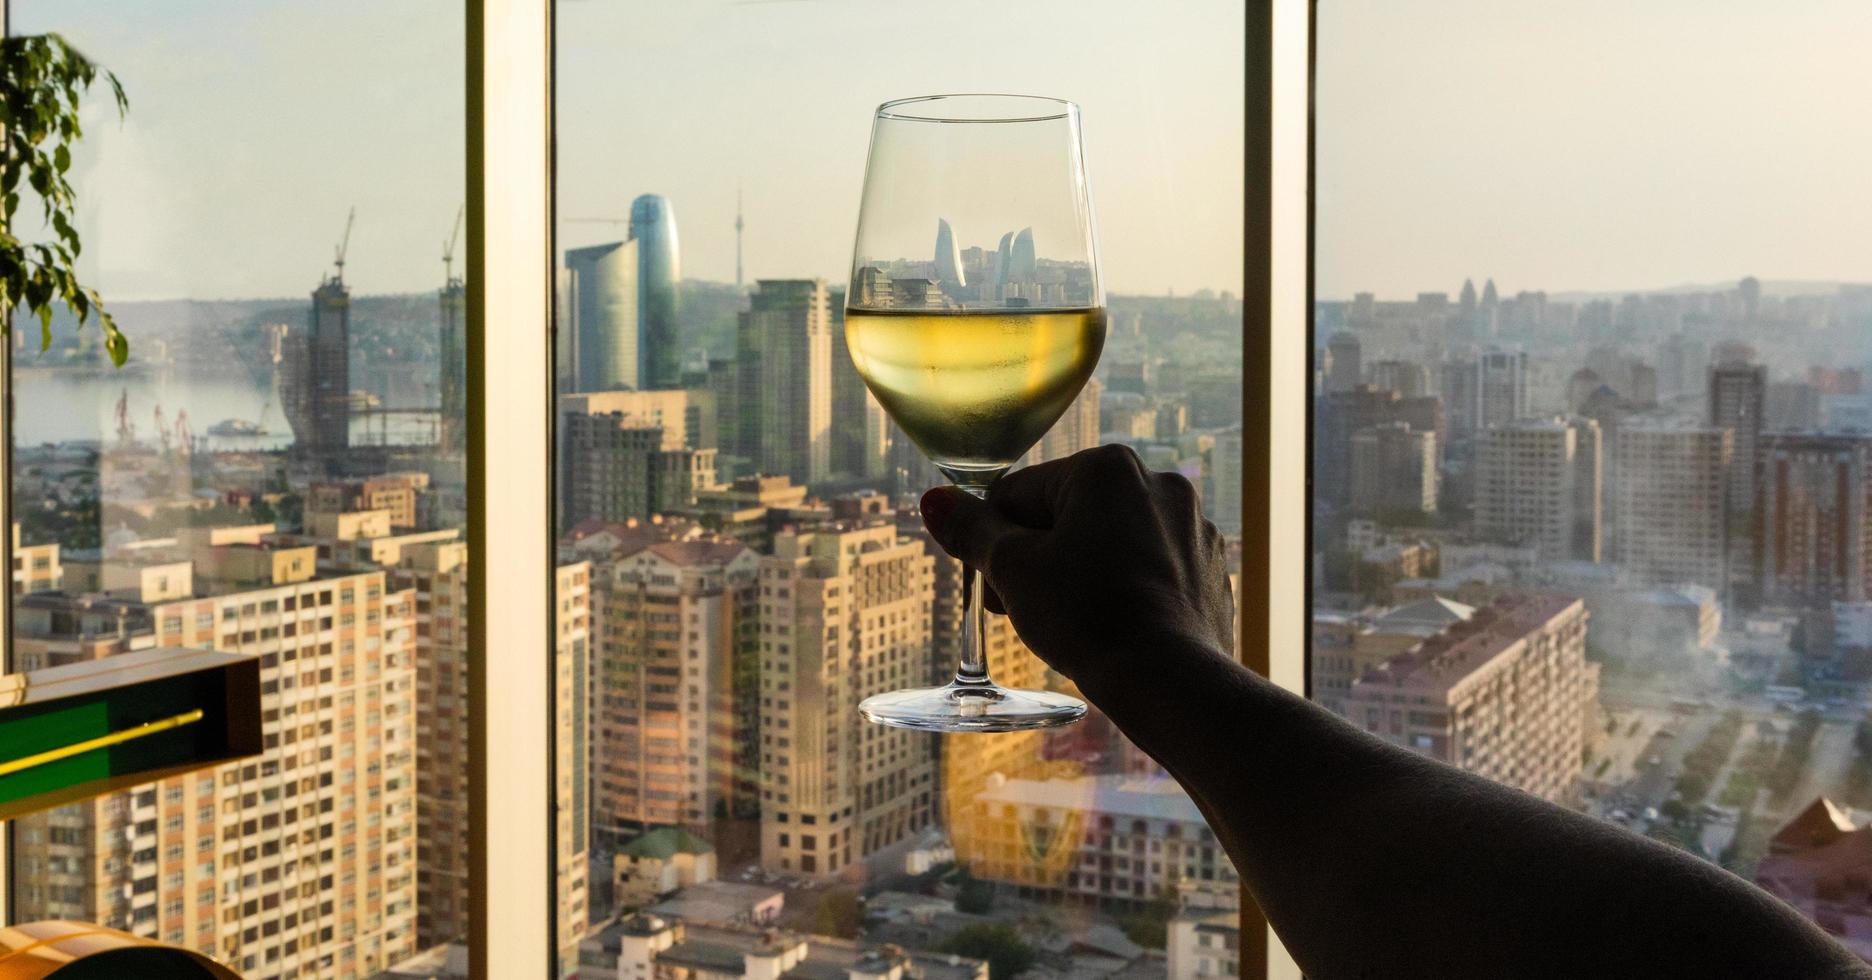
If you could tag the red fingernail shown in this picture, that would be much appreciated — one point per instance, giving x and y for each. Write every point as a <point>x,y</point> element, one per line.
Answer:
<point>937,505</point>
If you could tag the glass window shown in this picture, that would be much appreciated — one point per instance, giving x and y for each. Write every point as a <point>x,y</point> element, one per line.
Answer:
<point>267,224</point>
<point>720,464</point>
<point>1590,422</point>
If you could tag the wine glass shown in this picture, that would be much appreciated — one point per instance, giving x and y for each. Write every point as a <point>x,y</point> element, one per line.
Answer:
<point>975,315</point>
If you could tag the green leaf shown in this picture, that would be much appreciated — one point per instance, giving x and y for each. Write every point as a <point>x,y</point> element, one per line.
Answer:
<point>61,158</point>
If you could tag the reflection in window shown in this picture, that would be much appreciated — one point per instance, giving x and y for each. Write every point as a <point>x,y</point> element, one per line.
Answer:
<point>277,472</point>
<point>1590,498</point>
<point>748,512</point>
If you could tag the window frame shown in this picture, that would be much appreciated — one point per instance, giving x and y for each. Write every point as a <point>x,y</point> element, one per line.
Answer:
<point>509,123</point>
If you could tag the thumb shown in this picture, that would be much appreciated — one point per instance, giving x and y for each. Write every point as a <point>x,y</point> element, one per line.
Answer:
<point>965,526</point>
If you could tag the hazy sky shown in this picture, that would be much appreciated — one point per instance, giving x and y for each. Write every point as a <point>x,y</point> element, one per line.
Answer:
<point>687,98</point>
<point>1578,145</point>
<point>255,125</point>
<point>1591,144</point>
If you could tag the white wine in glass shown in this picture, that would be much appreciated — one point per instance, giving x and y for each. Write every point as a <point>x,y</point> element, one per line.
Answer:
<point>975,349</point>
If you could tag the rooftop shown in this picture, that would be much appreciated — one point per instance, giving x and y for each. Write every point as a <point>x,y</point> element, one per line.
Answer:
<point>1158,798</point>
<point>720,902</point>
<point>664,843</point>
<point>1443,660</point>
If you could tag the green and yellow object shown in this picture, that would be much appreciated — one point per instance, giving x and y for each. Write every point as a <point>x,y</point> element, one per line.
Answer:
<point>74,731</point>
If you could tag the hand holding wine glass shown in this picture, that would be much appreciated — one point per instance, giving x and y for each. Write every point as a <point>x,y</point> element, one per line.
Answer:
<point>975,349</point>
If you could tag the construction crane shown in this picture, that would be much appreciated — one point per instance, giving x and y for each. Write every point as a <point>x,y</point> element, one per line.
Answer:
<point>344,245</point>
<point>125,430</point>
<point>184,435</point>
<point>448,249</point>
<point>598,221</point>
<point>162,428</point>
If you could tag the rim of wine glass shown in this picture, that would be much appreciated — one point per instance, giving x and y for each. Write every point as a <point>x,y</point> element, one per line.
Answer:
<point>1065,108</point>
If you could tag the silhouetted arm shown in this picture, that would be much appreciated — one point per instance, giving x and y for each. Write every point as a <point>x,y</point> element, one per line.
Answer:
<point>1369,860</point>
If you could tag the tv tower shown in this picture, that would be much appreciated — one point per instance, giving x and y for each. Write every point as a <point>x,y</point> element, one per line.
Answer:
<point>737,237</point>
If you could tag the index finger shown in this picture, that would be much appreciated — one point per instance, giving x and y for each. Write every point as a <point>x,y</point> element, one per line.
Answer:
<point>1041,495</point>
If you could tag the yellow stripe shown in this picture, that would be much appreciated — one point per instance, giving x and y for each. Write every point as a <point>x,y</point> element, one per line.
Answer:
<point>102,741</point>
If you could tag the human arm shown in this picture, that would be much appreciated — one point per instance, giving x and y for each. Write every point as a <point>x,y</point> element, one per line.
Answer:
<point>1369,860</point>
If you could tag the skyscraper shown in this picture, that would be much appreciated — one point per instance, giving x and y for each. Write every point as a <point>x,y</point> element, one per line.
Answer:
<point>631,454</point>
<point>602,301</point>
<point>737,239</point>
<point>452,352</point>
<point>1538,483</point>
<point>1394,470</point>
<point>1347,369</point>
<point>1501,392</point>
<point>659,277</point>
<point>948,258</point>
<point>315,378</point>
<point>783,369</point>
<point>1738,394</point>
<point>860,429</point>
<point>572,753</point>
<point>849,611</point>
<point>1670,502</point>
<point>1076,430</point>
<point>1814,538</point>
<point>677,708</point>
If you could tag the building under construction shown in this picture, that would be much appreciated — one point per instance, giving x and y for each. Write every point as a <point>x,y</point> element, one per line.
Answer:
<point>315,371</point>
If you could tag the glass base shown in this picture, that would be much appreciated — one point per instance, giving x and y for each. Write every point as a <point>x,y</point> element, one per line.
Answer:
<point>972,707</point>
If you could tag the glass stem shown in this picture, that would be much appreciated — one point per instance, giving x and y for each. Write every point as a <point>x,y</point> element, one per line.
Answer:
<point>973,670</point>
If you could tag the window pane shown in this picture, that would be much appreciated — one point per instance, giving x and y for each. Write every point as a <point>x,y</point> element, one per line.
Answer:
<point>747,514</point>
<point>276,472</point>
<point>1590,451</point>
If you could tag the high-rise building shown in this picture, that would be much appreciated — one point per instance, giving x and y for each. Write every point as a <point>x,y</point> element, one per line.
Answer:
<point>845,614</point>
<point>1343,413</point>
<point>602,307</point>
<point>1457,388</point>
<point>572,778</point>
<point>659,301</point>
<point>783,368</point>
<point>452,366</point>
<point>860,429</point>
<point>1408,378</point>
<point>315,376</point>
<point>1738,401</point>
<point>437,573</point>
<point>1347,370</point>
<point>1538,482</point>
<point>1791,406</point>
<point>1076,430</point>
<point>1222,498</point>
<point>299,862</point>
<point>1394,469</point>
<point>1670,500</point>
<point>1814,536</point>
<point>622,461</point>
<point>677,679</point>
<point>1345,646</point>
<point>1506,693</point>
<point>1501,391</point>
